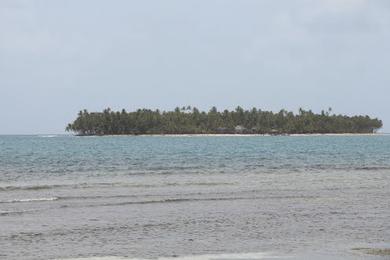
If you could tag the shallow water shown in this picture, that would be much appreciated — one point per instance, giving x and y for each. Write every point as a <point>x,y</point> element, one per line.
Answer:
<point>300,197</point>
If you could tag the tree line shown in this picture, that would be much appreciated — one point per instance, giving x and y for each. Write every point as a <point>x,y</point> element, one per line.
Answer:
<point>190,120</point>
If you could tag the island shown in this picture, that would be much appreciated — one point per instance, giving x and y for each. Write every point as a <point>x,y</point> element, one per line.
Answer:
<point>190,120</point>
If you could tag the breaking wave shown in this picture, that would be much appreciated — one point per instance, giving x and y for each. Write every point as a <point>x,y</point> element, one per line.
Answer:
<point>108,184</point>
<point>30,200</point>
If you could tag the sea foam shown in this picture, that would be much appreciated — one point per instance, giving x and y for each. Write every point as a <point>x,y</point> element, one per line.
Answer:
<point>30,200</point>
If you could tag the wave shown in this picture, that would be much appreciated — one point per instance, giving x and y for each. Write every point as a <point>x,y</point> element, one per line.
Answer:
<point>30,200</point>
<point>179,200</point>
<point>138,202</point>
<point>18,212</point>
<point>109,184</point>
<point>183,196</point>
<point>372,168</point>
<point>357,168</point>
<point>327,167</point>
<point>237,256</point>
<point>199,183</point>
<point>32,187</point>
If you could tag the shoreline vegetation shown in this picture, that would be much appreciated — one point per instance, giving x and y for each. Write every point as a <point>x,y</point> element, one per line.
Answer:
<point>240,135</point>
<point>189,121</point>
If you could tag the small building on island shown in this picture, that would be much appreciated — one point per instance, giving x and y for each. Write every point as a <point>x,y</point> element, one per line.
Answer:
<point>239,129</point>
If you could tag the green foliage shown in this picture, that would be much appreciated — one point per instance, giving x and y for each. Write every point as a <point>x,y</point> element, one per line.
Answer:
<point>188,120</point>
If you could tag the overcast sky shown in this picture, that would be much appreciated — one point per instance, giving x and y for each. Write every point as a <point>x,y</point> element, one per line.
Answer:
<point>57,57</point>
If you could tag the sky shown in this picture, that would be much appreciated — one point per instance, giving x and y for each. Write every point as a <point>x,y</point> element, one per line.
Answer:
<point>58,57</point>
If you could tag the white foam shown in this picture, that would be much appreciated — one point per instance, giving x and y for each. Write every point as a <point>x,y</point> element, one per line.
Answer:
<point>30,200</point>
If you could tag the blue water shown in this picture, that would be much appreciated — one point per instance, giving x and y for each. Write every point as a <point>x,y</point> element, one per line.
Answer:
<point>166,196</point>
<point>27,158</point>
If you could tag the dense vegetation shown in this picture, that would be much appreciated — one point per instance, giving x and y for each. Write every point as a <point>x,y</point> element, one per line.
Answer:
<point>189,120</point>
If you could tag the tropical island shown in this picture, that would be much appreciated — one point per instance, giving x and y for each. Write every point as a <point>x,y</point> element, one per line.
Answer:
<point>190,120</point>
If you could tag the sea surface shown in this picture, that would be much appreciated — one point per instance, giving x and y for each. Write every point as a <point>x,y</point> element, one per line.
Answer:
<point>252,197</point>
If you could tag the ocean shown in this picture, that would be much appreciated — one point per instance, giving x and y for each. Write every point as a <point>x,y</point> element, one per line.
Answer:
<point>201,197</point>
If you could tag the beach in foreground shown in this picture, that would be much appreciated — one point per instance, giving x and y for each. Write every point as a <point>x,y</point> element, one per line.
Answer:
<point>315,197</point>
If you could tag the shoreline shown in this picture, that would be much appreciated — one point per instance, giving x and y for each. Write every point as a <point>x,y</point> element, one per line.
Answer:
<point>239,135</point>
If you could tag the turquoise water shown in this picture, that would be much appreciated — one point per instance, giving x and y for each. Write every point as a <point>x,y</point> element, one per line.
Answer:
<point>65,196</point>
<point>42,158</point>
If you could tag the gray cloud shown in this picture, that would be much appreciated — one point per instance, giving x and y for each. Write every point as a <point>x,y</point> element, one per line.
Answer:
<point>57,57</point>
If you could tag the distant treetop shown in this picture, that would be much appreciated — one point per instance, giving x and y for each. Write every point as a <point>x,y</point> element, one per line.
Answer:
<point>190,120</point>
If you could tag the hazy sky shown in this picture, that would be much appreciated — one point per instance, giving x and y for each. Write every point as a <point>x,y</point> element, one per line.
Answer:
<point>57,57</point>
